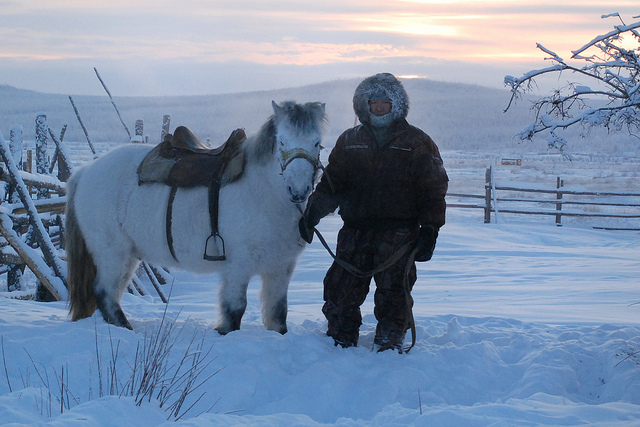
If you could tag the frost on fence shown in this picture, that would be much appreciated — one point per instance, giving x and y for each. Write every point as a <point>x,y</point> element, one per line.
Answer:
<point>32,228</point>
<point>52,271</point>
<point>606,93</point>
<point>42,159</point>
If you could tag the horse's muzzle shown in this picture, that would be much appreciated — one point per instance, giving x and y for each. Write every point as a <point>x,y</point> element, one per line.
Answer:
<point>299,197</point>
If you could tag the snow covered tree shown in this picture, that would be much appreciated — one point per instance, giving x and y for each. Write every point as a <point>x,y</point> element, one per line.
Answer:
<point>606,91</point>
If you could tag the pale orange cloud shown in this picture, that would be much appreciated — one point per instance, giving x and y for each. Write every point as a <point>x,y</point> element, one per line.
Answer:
<point>343,34</point>
<point>290,33</point>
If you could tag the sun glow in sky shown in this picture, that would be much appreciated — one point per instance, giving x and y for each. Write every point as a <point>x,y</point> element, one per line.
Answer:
<point>165,47</point>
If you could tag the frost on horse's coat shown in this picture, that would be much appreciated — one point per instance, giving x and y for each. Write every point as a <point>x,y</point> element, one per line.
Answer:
<point>113,222</point>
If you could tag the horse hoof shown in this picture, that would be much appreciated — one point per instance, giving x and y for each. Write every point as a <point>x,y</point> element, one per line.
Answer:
<point>119,320</point>
<point>123,324</point>
<point>224,331</point>
<point>128,326</point>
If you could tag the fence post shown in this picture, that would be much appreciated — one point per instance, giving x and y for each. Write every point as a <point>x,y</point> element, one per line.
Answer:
<point>138,131</point>
<point>28,164</point>
<point>15,144</point>
<point>42,161</point>
<point>15,271</point>
<point>487,196</point>
<point>559,184</point>
<point>166,122</point>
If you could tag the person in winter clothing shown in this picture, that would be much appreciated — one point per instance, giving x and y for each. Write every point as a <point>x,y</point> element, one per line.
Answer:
<point>388,181</point>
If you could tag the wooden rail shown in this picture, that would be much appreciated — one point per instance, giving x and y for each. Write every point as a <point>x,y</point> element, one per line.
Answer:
<point>494,201</point>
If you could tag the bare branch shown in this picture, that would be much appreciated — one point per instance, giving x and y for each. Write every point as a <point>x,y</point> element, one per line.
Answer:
<point>606,92</point>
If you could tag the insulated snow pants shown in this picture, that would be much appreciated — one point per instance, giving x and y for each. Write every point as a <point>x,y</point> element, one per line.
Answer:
<point>344,292</point>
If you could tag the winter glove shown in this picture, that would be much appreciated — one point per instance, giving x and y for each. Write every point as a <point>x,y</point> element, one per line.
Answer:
<point>426,243</point>
<point>306,229</point>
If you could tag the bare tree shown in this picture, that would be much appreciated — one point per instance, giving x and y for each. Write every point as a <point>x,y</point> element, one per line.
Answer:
<point>606,93</point>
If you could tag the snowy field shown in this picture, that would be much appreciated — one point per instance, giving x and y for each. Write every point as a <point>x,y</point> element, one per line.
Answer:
<point>518,323</point>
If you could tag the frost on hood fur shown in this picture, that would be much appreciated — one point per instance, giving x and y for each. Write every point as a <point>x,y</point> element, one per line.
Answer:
<point>372,88</point>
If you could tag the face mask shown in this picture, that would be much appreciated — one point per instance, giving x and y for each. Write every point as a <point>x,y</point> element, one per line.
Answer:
<point>380,121</point>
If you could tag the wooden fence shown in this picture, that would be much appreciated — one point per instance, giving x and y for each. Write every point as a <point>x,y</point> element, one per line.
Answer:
<point>557,202</point>
<point>32,212</point>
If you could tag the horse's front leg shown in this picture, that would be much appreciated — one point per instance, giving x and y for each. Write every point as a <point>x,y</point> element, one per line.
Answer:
<point>273,298</point>
<point>233,303</point>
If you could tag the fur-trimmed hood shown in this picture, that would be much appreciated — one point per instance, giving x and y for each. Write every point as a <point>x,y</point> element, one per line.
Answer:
<point>381,86</point>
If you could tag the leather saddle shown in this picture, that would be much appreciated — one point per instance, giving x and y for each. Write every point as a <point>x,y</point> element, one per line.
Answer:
<point>182,161</point>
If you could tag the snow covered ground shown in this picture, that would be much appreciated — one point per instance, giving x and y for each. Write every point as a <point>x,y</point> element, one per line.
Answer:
<point>517,324</point>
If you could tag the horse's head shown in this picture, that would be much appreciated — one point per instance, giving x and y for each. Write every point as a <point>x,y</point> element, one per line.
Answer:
<point>298,133</point>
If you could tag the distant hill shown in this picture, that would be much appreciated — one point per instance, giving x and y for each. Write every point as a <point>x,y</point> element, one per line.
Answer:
<point>457,116</point>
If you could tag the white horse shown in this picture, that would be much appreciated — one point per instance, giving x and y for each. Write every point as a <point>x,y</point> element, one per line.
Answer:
<point>113,223</point>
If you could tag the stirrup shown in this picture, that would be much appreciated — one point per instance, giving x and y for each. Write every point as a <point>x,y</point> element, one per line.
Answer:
<point>218,256</point>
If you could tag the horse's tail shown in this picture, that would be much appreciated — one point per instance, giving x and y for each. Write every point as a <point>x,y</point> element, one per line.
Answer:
<point>82,269</point>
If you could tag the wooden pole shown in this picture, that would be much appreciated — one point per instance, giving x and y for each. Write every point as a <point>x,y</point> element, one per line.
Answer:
<point>42,161</point>
<point>154,281</point>
<point>15,270</point>
<point>64,167</point>
<point>487,196</point>
<point>112,102</point>
<point>136,286</point>
<point>166,123</point>
<point>29,164</point>
<point>15,144</point>
<point>84,129</point>
<point>559,184</point>
<point>57,153</point>
<point>139,131</point>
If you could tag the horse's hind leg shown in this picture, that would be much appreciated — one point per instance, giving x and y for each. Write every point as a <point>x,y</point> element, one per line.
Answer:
<point>273,298</point>
<point>233,303</point>
<point>110,285</point>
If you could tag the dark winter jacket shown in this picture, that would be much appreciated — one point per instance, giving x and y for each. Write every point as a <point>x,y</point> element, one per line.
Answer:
<point>402,183</point>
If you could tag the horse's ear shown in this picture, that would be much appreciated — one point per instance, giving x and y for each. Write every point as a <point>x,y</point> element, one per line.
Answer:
<point>322,107</point>
<point>278,110</point>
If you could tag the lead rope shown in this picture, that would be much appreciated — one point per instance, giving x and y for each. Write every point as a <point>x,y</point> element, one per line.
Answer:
<point>355,270</point>
<point>352,268</point>
<point>388,263</point>
<point>407,293</point>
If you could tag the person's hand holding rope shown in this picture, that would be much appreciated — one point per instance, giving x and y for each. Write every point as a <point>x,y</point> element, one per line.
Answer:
<point>306,229</point>
<point>426,243</point>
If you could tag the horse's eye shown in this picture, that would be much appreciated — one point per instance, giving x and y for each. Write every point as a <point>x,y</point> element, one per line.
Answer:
<point>318,145</point>
<point>281,143</point>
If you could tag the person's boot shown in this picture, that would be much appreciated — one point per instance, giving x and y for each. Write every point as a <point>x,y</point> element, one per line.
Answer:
<point>342,337</point>
<point>345,342</point>
<point>389,338</point>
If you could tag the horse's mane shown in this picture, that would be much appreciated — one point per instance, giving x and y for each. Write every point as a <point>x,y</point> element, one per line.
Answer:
<point>304,118</point>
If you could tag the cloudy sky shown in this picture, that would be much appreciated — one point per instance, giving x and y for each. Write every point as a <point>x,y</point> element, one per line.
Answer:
<point>185,47</point>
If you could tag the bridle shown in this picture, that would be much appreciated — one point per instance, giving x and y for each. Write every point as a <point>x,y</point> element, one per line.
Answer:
<point>286,157</point>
